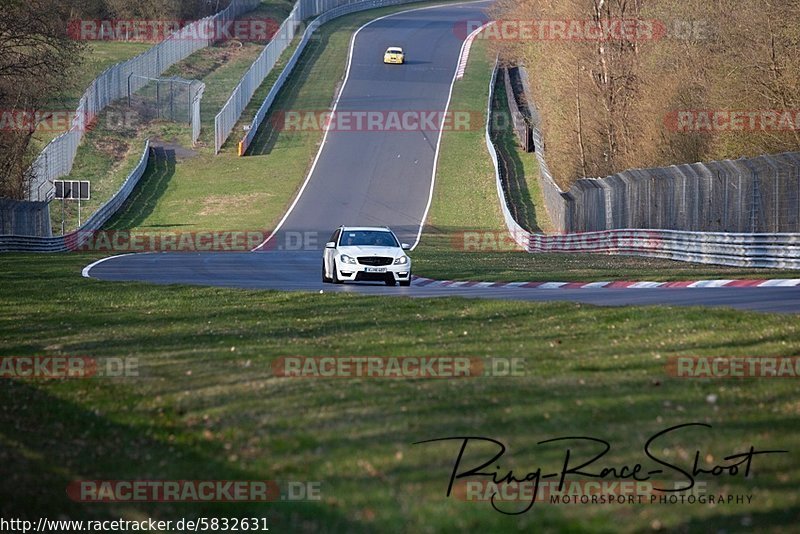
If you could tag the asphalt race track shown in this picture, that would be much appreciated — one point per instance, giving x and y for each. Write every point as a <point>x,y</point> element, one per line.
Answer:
<point>384,178</point>
<point>301,271</point>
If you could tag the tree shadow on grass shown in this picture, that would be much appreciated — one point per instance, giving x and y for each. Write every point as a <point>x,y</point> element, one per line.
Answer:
<point>49,442</point>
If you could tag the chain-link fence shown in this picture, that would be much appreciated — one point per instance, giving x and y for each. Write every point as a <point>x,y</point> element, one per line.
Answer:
<point>57,157</point>
<point>41,239</point>
<point>172,99</point>
<point>748,195</point>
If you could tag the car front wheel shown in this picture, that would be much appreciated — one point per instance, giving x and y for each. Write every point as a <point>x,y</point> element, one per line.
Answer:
<point>336,274</point>
<point>325,279</point>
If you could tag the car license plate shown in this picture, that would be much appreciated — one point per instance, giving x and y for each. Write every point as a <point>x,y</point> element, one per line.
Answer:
<point>375,269</point>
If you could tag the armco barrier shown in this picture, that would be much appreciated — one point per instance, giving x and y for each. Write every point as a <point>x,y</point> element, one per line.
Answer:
<point>57,157</point>
<point>17,243</point>
<point>774,250</point>
<point>332,10</point>
<point>780,251</point>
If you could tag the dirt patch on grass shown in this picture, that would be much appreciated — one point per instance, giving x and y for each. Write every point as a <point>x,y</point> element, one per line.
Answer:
<point>181,152</point>
<point>208,60</point>
<point>114,148</point>
<point>220,204</point>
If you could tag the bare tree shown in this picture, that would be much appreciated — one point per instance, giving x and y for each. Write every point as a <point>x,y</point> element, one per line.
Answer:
<point>36,59</point>
<point>605,104</point>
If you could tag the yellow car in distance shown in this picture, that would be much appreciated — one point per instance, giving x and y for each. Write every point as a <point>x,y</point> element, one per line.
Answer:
<point>394,54</point>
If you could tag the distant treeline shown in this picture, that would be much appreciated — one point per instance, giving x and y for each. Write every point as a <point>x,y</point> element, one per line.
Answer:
<point>641,83</point>
<point>145,9</point>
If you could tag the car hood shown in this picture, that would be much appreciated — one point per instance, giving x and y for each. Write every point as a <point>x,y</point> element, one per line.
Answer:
<point>390,252</point>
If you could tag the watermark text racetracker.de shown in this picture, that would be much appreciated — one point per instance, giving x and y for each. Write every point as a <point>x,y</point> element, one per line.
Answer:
<point>513,240</point>
<point>201,524</point>
<point>60,121</point>
<point>44,367</point>
<point>732,120</point>
<point>118,241</point>
<point>394,367</point>
<point>411,120</point>
<point>605,29</point>
<point>593,492</point>
<point>123,241</point>
<point>218,491</point>
<point>734,366</point>
<point>156,30</point>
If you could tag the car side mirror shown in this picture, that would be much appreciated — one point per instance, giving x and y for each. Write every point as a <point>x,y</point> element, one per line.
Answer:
<point>405,246</point>
<point>330,244</point>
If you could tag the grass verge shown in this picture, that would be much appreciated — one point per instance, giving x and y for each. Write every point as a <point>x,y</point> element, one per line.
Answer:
<point>465,195</point>
<point>512,266</point>
<point>207,406</point>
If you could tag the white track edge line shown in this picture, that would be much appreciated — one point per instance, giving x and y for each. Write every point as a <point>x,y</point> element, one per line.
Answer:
<point>85,270</point>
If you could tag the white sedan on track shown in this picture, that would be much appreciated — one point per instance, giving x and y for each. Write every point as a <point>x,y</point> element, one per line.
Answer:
<point>366,254</point>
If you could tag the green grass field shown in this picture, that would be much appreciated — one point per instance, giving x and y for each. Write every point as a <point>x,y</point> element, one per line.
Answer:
<point>206,404</point>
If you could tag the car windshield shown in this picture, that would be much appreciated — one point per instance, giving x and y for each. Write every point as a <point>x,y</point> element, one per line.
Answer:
<point>368,238</point>
<point>395,51</point>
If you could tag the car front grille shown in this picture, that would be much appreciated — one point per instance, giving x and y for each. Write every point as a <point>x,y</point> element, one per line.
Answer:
<point>375,261</point>
<point>372,277</point>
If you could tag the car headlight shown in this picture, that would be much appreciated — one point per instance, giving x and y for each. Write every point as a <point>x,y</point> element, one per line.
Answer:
<point>347,259</point>
<point>402,260</point>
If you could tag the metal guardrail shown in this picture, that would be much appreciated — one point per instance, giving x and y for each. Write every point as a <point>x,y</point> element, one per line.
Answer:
<point>775,250</point>
<point>73,240</point>
<point>337,8</point>
<point>57,157</point>
<point>739,250</point>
